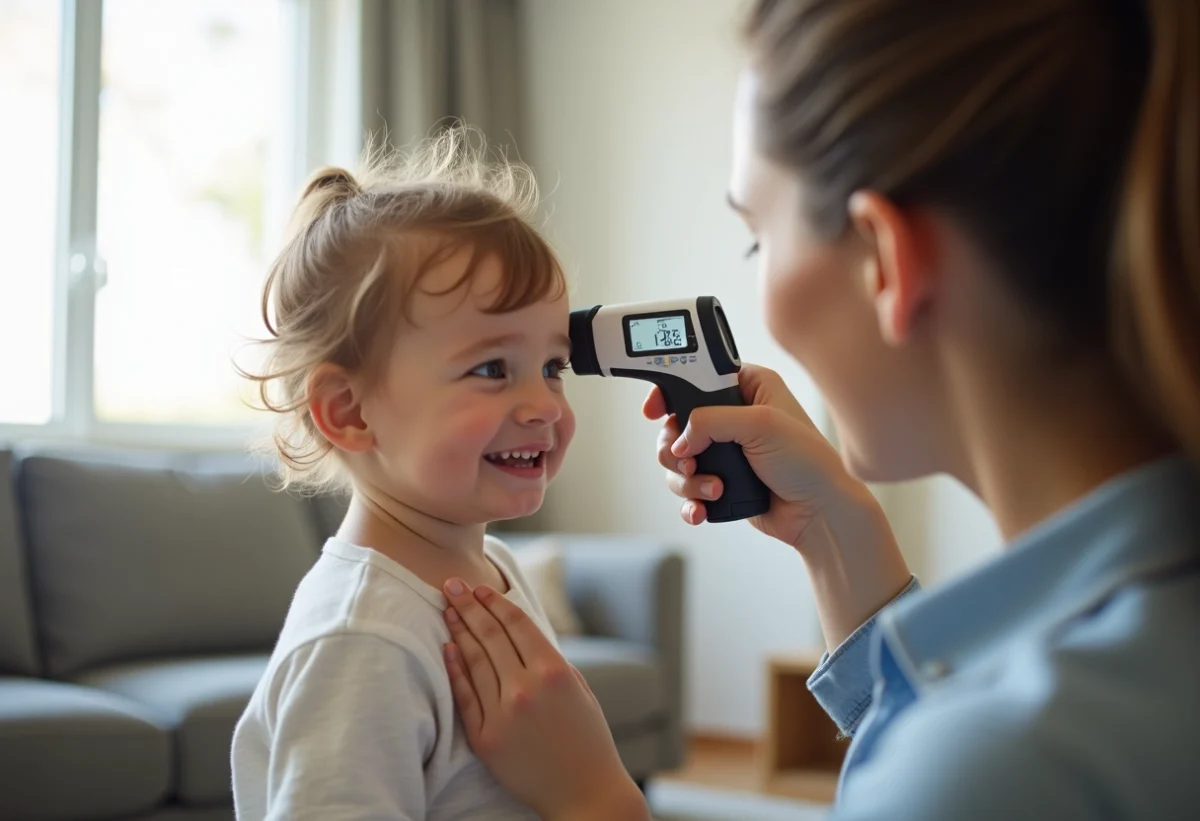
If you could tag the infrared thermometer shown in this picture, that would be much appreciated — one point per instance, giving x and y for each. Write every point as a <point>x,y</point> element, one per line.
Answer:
<point>685,347</point>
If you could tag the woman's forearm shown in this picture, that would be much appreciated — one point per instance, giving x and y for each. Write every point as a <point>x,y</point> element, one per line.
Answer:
<point>853,562</point>
<point>622,806</point>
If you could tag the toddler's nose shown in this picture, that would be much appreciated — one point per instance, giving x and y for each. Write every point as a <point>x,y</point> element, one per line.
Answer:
<point>540,406</point>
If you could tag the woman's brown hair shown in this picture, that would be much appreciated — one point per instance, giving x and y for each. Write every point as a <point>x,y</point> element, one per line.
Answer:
<point>1064,134</point>
<point>359,247</point>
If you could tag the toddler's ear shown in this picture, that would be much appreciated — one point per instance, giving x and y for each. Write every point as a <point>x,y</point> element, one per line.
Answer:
<point>336,409</point>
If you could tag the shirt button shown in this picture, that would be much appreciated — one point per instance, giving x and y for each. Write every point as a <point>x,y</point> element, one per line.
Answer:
<point>935,669</point>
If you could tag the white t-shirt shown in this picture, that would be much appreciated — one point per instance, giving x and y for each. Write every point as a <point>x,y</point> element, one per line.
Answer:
<point>354,719</point>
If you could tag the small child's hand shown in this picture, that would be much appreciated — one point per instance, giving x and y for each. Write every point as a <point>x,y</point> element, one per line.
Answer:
<point>530,716</point>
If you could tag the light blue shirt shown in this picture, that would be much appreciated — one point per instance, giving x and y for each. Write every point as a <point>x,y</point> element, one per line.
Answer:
<point>1060,681</point>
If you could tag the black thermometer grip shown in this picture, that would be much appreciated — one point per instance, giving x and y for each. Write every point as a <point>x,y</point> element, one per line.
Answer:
<point>743,495</point>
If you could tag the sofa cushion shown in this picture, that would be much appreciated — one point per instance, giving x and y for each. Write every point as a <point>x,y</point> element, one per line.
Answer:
<point>626,678</point>
<point>201,700</point>
<point>17,654</point>
<point>72,753</point>
<point>139,555</point>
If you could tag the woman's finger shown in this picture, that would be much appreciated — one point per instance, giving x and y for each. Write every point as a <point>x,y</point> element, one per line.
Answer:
<point>486,629</point>
<point>583,682</point>
<point>469,707</point>
<point>483,674</point>
<point>655,406</point>
<point>707,488</point>
<point>527,638</point>
<point>666,438</point>
<point>693,512</point>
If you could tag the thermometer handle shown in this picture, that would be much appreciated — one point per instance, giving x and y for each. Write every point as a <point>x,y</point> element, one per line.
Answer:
<point>743,495</point>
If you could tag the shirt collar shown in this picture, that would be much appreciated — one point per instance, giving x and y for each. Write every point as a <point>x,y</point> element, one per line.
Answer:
<point>1139,523</point>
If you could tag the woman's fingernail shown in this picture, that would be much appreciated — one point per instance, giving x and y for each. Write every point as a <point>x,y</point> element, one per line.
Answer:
<point>679,446</point>
<point>451,652</point>
<point>707,489</point>
<point>683,467</point>
<point>452,616</point>
<point>455,587</point>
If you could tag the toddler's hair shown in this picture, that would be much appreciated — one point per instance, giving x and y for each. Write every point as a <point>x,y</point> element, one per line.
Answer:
<point>356,251</point>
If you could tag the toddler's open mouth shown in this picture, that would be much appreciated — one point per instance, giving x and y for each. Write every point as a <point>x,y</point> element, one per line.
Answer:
<point>517,458</point>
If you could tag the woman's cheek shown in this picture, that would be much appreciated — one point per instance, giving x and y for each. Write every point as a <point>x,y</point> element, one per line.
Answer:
<point>782,295</point>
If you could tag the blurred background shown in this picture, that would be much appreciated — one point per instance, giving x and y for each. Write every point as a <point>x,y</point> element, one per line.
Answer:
<point>152,150</point>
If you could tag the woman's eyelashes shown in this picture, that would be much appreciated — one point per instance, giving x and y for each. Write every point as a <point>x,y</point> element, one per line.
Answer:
<point>496,369</point>
<point>752,250</point>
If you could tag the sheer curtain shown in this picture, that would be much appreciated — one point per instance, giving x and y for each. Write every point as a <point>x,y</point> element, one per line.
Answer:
<point>426,60</point>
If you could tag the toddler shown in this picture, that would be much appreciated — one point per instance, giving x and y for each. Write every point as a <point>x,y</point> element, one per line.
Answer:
<point>418,335</point>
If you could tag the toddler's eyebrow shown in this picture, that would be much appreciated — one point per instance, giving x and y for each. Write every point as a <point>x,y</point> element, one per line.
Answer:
<point>507,340</point>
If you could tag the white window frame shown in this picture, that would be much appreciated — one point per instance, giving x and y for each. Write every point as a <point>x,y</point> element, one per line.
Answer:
<point>324,113</point>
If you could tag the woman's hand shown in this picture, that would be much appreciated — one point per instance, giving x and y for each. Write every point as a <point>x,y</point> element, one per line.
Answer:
<point>530,716</point>
<point>797,464</point>
<point>817,507</point>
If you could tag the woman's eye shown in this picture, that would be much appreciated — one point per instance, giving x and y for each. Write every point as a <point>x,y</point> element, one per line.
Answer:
<point>554,368</point>
<point>491,370</point>
<point>752,250</point>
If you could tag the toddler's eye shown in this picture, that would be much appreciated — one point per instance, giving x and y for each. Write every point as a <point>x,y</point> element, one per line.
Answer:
<point>494,369</point>
<point>554,368</point>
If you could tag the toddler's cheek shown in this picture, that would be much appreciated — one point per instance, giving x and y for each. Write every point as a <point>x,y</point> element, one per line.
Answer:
<point>564,433</point>
<point>471,429</point>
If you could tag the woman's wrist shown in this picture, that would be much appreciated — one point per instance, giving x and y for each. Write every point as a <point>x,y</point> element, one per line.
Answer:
<point>624,804</point>
<point>853,561</point>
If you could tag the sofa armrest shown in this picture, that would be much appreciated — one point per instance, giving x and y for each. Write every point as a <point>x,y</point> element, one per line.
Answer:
<point>631,588</point>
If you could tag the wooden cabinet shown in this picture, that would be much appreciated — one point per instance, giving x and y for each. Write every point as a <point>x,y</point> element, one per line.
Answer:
<point>802,753</point>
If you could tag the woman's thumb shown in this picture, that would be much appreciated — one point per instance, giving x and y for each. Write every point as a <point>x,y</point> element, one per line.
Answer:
<point>717,423</point>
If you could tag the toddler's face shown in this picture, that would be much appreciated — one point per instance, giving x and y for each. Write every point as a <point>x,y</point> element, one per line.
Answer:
<point>469,416</point>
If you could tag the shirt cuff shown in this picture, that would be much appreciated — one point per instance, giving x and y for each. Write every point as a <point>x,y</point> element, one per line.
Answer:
<point>843,682</point>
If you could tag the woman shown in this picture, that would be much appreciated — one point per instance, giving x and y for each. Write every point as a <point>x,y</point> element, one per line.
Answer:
<point>979,229</point>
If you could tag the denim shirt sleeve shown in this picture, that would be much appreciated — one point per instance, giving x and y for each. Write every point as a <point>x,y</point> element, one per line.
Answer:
<point>843,682</point>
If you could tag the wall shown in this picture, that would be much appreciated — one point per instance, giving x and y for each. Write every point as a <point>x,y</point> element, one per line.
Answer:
<point>628,125</point>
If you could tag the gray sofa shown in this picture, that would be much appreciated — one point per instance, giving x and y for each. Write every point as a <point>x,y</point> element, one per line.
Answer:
<point>140,593</point>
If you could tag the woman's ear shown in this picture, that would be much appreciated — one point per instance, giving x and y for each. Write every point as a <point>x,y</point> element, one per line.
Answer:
<point>898,274</point>
<point>335,404</point>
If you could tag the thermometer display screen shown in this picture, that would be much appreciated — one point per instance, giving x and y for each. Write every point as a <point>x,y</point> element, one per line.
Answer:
<point>659,334</point>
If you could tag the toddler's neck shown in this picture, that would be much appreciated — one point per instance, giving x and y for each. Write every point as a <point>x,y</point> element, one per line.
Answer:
<point>431,548</point>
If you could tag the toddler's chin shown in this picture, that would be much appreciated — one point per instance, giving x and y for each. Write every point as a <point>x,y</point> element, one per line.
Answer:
<point>519,505</point>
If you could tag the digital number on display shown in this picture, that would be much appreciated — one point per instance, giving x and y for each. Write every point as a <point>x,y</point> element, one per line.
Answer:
<point>658,333</point>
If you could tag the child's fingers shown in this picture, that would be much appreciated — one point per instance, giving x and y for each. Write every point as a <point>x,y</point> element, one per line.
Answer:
<point>486,630</point>
<point>527,638</point>
<point>475,658</point>
<point>469,707</point>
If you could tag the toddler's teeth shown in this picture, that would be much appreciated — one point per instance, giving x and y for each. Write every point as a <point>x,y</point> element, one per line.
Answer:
<point>504,455</point>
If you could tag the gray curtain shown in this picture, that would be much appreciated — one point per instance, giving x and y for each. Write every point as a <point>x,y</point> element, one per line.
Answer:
<point>426,60</point>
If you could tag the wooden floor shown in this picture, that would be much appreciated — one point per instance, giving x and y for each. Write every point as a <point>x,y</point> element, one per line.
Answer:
<point>733,764</point>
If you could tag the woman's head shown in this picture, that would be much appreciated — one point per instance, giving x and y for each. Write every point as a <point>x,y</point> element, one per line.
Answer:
<point>940,185</point>
<point>418,327</point>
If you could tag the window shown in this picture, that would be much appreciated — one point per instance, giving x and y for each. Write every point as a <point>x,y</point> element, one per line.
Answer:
<point>158,148</point>
<point>29,80</point>
<point>190,129</point>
